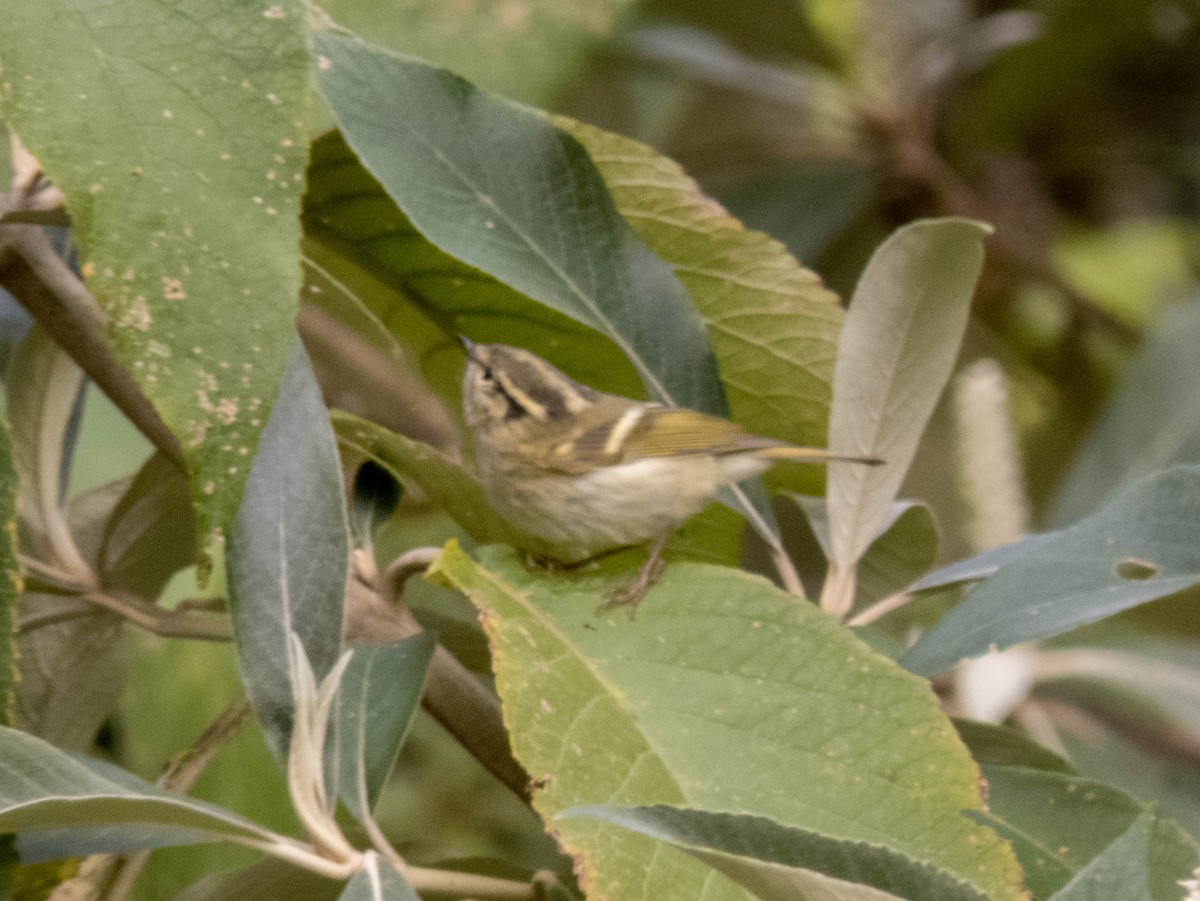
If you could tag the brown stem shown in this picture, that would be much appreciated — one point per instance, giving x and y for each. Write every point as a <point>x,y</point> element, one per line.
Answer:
<point>180,775</point>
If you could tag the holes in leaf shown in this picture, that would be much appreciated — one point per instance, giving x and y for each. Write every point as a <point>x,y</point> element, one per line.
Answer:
<point>1136,570</point>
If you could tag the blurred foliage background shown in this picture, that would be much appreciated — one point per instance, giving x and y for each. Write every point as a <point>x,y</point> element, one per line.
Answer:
<point>1072,126</point>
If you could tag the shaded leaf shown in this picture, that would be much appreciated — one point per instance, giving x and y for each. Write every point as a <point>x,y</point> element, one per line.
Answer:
<point>43,389</point>
<point>991,744</point>
<point>723,694</point>
<point>781,863</point>
<point>182,159</point>
<point>896,353</point>
<point>289,552</point>
<point>532,211</point>
<point>1058,823</point>
<point>380,692</point>
<point>1142,545</point>
<point>151,534</point>
<point>1122,870</point>
<point>73,670</point>
<point>1152,422</point>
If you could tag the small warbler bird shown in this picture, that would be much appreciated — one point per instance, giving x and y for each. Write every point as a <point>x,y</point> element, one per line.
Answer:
<point>587,472</point>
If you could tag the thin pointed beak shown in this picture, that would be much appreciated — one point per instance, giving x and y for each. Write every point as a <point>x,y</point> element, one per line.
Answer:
<point>468,346</point>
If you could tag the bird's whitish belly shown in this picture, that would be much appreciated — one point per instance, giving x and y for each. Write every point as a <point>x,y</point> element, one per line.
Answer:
<point>582,515</point>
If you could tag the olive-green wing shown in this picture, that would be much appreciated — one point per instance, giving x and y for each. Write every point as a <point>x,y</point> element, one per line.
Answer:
<point>666,432</point>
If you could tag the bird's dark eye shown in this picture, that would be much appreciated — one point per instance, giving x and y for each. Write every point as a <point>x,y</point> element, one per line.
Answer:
<point>487,373</point>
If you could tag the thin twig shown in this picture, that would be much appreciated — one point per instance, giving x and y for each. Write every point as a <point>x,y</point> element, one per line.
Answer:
<point>180,775</point>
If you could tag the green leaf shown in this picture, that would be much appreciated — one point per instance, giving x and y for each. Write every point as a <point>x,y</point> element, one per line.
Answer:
<point>897,350</point>
<point>289,552</point>
<point>991,744</point>
<point>724,694</point>
<point>1060,823</point>
<point>179,138</point>
<point>532,211</point>
<point>528,52</point>
<point>1144,544</point>
<point>43,788</point>
<point>770,321</point>
<point>781,863</point>
<point>381,691</point>
<point>378,880</point>
<point>905,548</point>
<point>1152,422</point>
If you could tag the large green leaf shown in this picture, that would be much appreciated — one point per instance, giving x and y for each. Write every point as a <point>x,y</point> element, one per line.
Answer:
<point>1151,423</point>
<point>1142,545</point>
<point>1060,824</point>
<point>289,552</point>
<point>531,210</point>
<point>178,136</point>
<point>781,863</point>
<point>528,51</point>
<point>896,353</point>
<point>727,695</point>
<point>380,692</point>
<point>43,788</point>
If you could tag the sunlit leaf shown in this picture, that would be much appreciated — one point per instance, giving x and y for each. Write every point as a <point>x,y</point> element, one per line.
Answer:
<point>723,694</point>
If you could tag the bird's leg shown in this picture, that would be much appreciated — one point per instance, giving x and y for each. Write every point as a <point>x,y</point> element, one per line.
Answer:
<point>633,594</point>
